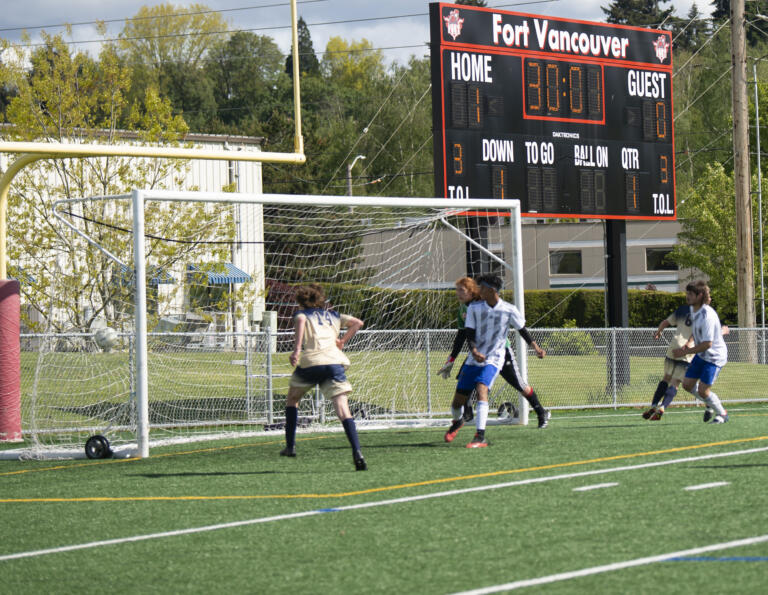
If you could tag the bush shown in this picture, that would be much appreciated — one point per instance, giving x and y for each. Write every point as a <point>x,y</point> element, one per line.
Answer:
<point>569,343</point>
<point>391,309</point>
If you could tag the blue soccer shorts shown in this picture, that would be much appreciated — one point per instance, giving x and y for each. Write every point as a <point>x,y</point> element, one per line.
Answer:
<point>703,370</point>
<point>469,376</point>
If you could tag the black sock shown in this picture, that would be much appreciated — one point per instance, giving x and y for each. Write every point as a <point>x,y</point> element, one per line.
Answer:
<point>534,401</point>
<point>660,390</point>
<point>351,430</point>
<point>291,418</point>
<point>668,396</point>
<point>481,433</point>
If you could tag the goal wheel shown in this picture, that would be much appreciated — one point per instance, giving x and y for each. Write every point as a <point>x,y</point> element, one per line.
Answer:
<point>507,409</point>
<point>97,447</point>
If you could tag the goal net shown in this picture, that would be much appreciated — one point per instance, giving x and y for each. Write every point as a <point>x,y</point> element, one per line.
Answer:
<point>169,316</point>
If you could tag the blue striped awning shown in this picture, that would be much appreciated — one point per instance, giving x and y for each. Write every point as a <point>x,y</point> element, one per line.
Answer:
<point>155,276</point>
<point>220,274</point>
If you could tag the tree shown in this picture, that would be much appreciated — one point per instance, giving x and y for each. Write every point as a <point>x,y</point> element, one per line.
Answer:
<point>245,70</point>
<point>707,239</point>
<point>757,28</point>
<point>640,13</point>
<point>70,97</point>
<point>689,33</point>
<point>353,65</point>
<point>308,62</point>
<point>166,47</point>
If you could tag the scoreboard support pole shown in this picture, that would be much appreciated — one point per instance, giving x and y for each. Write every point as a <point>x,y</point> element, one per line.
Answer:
<point>617,301</point>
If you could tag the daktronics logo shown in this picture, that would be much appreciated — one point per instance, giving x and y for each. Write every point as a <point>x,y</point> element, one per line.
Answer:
<point>661,45</point>
<point>453,23</point>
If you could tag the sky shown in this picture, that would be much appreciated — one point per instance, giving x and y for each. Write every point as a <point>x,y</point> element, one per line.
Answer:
<point>399,27</point>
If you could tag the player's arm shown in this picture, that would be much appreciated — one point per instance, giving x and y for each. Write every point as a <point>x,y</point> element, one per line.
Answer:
<point>353,325</point>
<point>540,353</point>
<point>688,349</point>
<point>479,357</point>
<point>458,343</point>
<point>662,325</point>
<point>299,322</point>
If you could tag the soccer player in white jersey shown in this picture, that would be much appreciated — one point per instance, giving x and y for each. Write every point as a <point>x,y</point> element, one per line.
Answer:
<point>487,325</point>
<point>710,352</point>
<point>320,361</point>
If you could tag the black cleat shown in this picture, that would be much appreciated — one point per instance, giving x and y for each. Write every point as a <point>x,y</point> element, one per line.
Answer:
<point>360,464</point>
<point>288,451</point>
<point>544,419</point>
<point>468,414</point>
<point>708,414</point>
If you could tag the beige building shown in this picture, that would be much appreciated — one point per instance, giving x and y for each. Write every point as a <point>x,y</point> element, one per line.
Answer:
<point>555,256</point>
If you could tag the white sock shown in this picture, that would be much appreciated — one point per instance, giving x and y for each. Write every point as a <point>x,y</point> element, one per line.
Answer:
<point>714,401</point>
<point>481,415</point>
<point>456,412</point>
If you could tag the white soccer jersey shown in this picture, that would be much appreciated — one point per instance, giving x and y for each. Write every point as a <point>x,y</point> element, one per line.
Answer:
<point>706,327</point>
<point>491,328</point>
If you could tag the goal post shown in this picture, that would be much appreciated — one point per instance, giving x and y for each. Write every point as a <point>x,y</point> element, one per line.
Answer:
<point>446,206</point>
<point>185,369</point>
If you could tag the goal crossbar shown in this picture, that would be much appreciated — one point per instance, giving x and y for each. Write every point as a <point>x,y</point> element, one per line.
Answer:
<point>139,197</point>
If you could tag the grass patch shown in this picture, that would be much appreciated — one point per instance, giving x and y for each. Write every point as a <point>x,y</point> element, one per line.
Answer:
<point>438,545</point>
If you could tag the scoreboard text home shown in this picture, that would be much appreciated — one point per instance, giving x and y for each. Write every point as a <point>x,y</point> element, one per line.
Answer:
<point>573,118</point>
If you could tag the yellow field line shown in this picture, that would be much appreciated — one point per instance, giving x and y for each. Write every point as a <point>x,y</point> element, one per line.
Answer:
<point>388,488</point>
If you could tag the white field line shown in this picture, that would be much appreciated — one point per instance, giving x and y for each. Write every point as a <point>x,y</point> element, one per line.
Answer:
<point>706,486</point>
<point>363,505</point>
<point>597,486</point>
<point>564,576</point>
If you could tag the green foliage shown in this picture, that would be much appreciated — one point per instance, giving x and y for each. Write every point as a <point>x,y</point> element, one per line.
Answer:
<point>308,62</point>
<point>569,343</point>
<point>422,308</point>
<point>68,96</point>
<point>708,238</point>
<point>640,13</point>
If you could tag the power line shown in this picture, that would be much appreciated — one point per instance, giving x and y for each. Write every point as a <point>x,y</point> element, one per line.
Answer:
<point>155,17</point>
<point>268,28</point>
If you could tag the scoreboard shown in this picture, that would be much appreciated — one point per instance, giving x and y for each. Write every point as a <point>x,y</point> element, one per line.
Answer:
<point>572,118</point>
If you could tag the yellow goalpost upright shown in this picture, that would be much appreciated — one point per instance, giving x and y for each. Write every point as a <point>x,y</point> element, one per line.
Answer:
<point>30,152</point>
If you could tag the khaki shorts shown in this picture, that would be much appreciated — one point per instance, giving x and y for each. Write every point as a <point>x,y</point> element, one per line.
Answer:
<point>330,387</point>
<point>675,368</point>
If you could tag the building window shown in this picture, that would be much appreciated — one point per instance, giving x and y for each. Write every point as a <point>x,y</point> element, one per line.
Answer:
<point>659,259</point>
<point>565,262</point>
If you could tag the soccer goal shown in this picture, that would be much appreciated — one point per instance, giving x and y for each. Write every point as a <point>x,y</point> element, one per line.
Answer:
<point>169,318</point>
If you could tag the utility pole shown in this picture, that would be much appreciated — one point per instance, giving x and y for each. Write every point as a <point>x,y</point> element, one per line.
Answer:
<point>745,269</point>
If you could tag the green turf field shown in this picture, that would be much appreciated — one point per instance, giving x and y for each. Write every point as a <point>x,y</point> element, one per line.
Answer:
<point>428,517</point>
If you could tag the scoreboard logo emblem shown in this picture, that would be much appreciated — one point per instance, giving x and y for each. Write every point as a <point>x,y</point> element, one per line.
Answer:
<point>453,23</point>
<point>661,45</point>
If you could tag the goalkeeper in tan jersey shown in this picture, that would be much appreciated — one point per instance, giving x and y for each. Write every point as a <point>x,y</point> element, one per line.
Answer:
<point>320,361</point>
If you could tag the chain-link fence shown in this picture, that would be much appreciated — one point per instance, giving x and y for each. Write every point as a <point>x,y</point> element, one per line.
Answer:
<point>212,380</point>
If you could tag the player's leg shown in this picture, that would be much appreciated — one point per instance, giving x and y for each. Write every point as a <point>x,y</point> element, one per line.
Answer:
<point>483,382</point>
<point>693,376</point>
<point>661,388</point>
<point>337,388</point>
<point>708,377</point>
<point>295,392</point>
<point>511,373</point>
<point>675,378</point>
<point>464,387</point>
